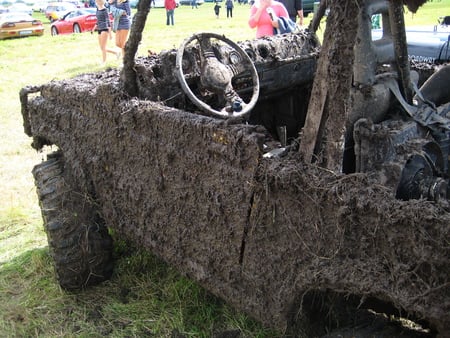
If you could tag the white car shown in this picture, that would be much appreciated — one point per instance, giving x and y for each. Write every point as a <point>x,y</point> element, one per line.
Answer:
<point>40,6</point>
<point>20,8</point>
<point>157,3</point>
<point>189,2</point>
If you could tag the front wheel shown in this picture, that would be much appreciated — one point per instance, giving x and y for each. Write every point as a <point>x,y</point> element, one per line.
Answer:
<point>78,239</point>
<point>76,28</point>
<point>54,31</point>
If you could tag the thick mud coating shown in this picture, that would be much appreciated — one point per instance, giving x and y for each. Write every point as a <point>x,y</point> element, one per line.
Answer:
<point>293,245</point>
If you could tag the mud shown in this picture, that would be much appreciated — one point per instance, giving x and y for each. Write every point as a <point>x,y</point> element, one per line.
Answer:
<point>293,245</point>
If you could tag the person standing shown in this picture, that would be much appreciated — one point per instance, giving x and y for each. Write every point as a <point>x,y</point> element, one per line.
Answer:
<point>123,24</point>
<point>217,9</point>
<point>294,8</point>
<point>229,5</point>
<point>264,16</point>
<point>170,6</point>
<point>194,4</point>
<point>103,26</point>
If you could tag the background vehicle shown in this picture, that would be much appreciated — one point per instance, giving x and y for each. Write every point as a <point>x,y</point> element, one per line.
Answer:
<point>77,21</point>
<point>234,203</point>
<point>309,5</point>
<point>6,3</point>
<point>55,10</point>
<point>77,3</point>
<point>20,8</point>
<point>189,2</point>
<point>425,43</point>
<point>14,25</point>
<point>40,6</point>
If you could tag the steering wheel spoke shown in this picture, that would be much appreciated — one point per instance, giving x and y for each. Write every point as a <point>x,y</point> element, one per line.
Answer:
<point>216,75</point>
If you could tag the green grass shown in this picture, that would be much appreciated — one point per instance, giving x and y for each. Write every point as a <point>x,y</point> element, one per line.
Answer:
<point>428,14</point>
<point>145,297</point>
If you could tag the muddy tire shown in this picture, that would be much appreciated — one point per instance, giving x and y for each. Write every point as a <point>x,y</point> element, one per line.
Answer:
<point>78,240</point>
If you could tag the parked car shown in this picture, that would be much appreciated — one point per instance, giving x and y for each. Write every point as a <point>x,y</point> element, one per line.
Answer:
<point>29,3</point>
<point>308,6</point>
<point>77,3</point>
<point>40,6</point>
<point>189,2</point>
<point>425,43</point>
<point>77,21</point>
<point>55,10</point>
<point>14,25</point>
<point>20,8</point>
<point>6,3</point>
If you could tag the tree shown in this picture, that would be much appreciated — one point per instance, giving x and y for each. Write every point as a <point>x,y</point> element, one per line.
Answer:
<point>131,47</point>
<point>327,112</point>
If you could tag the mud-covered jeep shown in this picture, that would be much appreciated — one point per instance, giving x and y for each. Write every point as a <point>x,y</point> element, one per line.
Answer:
<point>305,184</point>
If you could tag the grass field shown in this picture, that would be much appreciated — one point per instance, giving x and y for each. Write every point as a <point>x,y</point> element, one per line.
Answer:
<point>145,297</point>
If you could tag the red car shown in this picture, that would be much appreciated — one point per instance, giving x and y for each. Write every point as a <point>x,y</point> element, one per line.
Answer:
<point>76,21</point>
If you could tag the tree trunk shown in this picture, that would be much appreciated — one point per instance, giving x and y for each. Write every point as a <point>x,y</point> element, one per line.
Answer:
<point>128,74</point>
<point>322,138</point>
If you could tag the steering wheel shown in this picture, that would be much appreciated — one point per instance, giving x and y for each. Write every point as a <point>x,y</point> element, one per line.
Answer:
<point>216,75</point>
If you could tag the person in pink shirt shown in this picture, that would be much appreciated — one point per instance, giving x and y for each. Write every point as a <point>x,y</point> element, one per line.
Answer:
<point>170,6</point>
<point>264,16</point>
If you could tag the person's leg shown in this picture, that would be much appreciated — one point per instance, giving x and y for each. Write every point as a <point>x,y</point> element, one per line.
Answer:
<point>102,40</point>
<point>168,17</point>
<point>121,39</point>
<point>172,17</point>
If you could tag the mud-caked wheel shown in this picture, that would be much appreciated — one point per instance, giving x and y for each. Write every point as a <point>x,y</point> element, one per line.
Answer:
<point>78,240</point>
